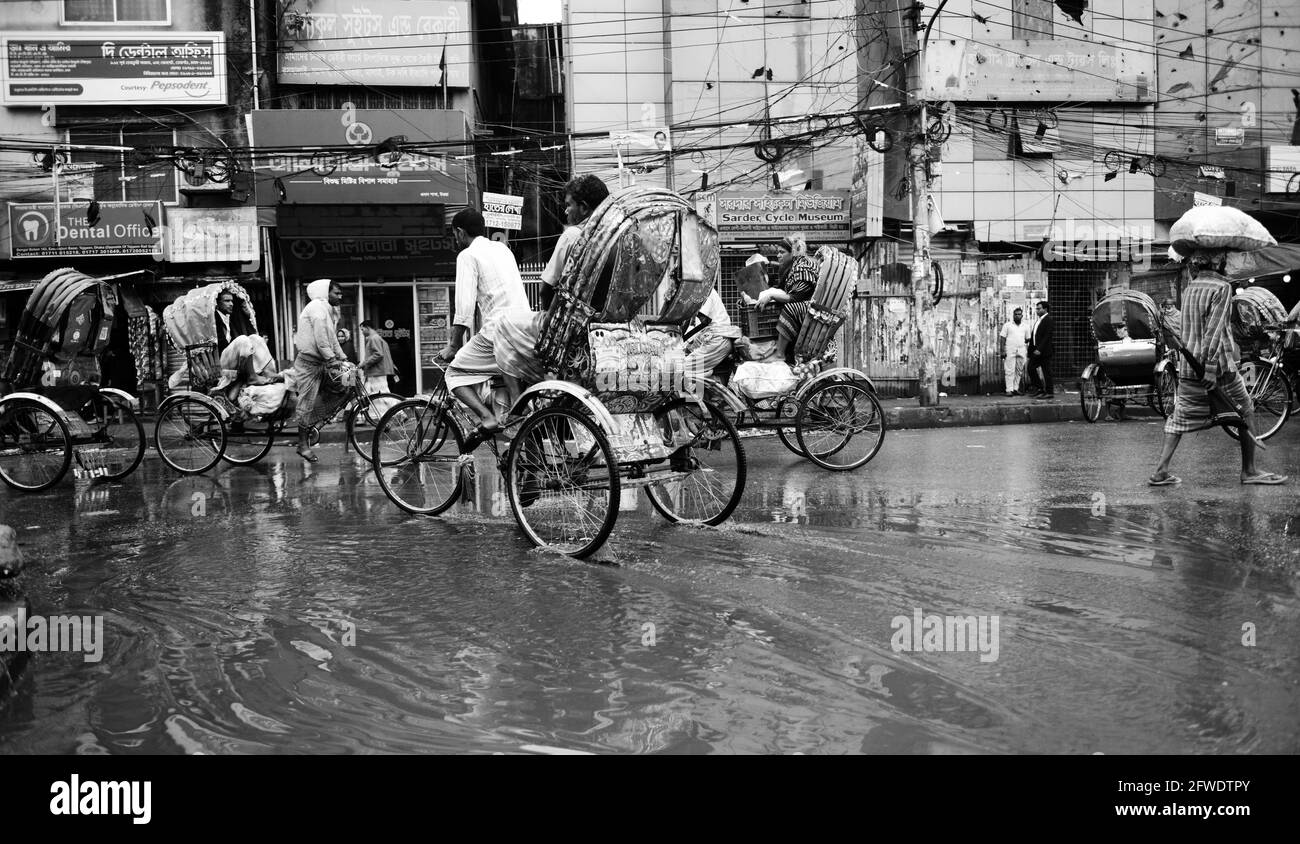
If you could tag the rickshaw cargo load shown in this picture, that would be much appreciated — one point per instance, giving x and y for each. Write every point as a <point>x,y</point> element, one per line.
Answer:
<point>1127,352</point>
<point>764,380</point>
<point>1218,227</point>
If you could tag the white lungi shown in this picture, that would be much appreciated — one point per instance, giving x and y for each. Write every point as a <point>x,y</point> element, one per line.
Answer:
<point>475,362</point>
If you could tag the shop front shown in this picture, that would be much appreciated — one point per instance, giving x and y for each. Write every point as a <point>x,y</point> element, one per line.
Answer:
<point>375,221</point>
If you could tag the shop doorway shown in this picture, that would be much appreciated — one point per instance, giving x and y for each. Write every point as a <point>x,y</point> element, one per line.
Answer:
<point>392,312</point>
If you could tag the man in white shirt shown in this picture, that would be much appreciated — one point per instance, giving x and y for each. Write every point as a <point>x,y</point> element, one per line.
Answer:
<point>711,344</point>
<point>1014,342</point>
<point>487,281</point>
<point>516,336</point>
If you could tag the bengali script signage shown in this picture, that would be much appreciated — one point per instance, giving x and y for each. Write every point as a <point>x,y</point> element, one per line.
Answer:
<point>503,211</point>
<point>823,216</point>
<point>117,68</point>
<point>376,42</point>
<point>973,71</point>
<point>306,175</point>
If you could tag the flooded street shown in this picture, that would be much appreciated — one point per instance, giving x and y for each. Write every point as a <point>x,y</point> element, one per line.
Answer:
<point>287,608</point>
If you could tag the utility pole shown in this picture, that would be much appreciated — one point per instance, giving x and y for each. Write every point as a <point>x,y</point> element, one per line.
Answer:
<point>918,155</point>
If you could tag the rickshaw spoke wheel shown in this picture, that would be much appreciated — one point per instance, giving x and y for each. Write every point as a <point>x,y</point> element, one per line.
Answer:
<point>35,446</point>
<point>118,433</point>
<point>563,483</point>
<point>1271,397</point>
<point>249,442</point>
<point>1092,396</point>
<point>416,454</point>
<point>1166,390</point>
<point>711,448</point>
<point>190,436</point>
<point>840,425</point>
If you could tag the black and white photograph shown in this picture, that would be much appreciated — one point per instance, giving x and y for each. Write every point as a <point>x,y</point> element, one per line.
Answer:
<point>652,377</point>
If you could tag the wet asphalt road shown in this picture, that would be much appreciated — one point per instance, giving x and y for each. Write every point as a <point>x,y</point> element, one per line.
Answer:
<point>286,608</point>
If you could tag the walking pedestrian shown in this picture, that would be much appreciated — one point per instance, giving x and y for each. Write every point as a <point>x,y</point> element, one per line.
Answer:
<point>345,343</point>
<point>1041,350</point>
<point>1013,343</point>
<point>319,396</point>
<point>377,365</point>
<point>1203,386</point>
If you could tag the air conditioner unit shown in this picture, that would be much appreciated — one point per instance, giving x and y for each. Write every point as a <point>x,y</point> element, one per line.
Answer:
<point>190,184</point>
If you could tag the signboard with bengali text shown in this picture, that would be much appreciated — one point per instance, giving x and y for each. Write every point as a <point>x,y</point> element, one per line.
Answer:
<point>376,42</point>
<point>822,216</point>
<point>197,235</point>
<point>121,68</point>
<point>503,211</point>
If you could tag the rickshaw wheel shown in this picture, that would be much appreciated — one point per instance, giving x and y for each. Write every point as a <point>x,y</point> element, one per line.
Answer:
<point>190,436</point>
<point>368,411</point>
<point>35,446</point>
<point>1271,397</point>
<point>563,482</point>
<point>1166,390</point>
<point>123,439</point>
<point>1092,396</point>
<point>789,439</point>
<point>416,454</point>
<point>716,465</point>
<point>835,415</point>
<point>251,444</point>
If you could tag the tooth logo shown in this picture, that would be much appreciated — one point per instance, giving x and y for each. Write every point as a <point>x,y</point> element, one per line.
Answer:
<point>33,228</point>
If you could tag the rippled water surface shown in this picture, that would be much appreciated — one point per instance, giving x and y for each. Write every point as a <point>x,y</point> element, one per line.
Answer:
<point>283,608</point>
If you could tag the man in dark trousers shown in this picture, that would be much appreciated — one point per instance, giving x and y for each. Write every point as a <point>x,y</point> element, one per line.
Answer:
<point>1041,350</point>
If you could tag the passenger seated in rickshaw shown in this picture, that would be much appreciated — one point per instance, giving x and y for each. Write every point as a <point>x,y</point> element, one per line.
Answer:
<point>250,379</point>
<point>796,281</point>
<point>713,335</point>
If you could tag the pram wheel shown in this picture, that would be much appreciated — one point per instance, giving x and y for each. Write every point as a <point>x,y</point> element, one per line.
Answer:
<point>118,431</point>
<point>35,446</point>
<point>416,454</point>
<point>249,442</point>
<point>190,436</point>
<point>714,462</point>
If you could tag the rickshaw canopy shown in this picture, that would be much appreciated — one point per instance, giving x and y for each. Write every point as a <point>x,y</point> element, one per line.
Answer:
<point>191,319</point>
<point>68,315</point>
<point>1252,309</point>
<point>1126,314</point>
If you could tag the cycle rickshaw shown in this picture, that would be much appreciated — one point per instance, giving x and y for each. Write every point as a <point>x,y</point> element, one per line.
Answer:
<point>825,413</point>
<point>205,419</point>
<point>1133,362</point>
<point>1257,317</point>
<point>60,413</point>
<point>618,411</point>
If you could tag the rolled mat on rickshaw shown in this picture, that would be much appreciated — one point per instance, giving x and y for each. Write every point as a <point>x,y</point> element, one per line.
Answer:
<point>836,278</point>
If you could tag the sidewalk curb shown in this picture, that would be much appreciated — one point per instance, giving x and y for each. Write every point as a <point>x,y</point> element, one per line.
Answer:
<point>943,416</point>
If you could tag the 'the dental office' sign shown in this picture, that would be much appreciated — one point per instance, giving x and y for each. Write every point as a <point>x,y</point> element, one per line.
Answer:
<point>39,230</point>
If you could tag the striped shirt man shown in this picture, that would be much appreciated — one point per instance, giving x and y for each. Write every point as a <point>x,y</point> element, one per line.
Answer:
<point>1207,327</point>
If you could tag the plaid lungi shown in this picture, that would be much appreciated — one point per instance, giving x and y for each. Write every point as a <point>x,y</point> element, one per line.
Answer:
<point>1192,411</point>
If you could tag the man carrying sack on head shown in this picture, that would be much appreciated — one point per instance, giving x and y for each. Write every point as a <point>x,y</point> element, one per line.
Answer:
<point>1210,388</point>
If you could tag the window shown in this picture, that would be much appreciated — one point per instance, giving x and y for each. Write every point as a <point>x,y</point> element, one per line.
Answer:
<point>134,12</point>
<point>120,175</point>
